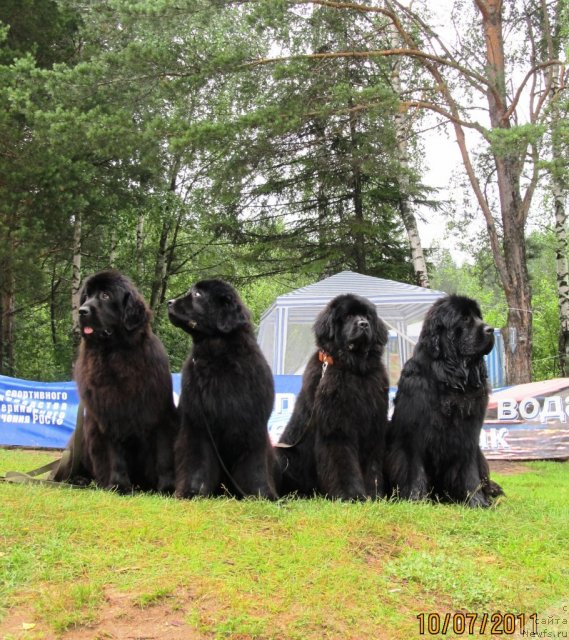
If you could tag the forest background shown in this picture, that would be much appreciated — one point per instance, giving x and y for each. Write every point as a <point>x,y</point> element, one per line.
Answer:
<point>276,142</point>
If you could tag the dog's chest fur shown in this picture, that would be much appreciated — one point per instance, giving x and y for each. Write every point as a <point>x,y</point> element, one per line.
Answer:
<point>462,405</point>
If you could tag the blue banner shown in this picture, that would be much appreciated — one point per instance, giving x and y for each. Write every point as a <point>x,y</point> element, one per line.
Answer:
<point>37,414</point>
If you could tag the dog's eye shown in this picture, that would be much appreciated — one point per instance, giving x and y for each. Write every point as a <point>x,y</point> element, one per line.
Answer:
<point>196,294</point>
<point>105,296</point>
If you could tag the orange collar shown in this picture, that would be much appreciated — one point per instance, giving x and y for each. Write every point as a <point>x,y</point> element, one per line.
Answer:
<point>325,358</point>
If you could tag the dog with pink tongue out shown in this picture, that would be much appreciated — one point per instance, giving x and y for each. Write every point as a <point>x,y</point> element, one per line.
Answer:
<point>125,385</point>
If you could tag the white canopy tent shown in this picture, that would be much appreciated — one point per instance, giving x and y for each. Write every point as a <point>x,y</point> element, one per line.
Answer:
<point>285,332</point>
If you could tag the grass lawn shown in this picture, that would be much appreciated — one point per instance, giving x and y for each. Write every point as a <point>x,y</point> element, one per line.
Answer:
<point>80,564</point>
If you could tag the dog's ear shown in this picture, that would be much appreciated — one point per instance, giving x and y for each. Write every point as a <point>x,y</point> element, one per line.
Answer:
<point>477,373</point>
<point>324,328</point>
<point>431,336</point>
<point>134,312</point>
<point>448,366</point>
<point>380,330</point>
<point>232,315</point>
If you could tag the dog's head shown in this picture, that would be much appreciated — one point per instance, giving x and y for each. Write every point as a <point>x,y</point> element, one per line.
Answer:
<point>111,307</point>
<point>455,337</point>
<point>209,308</point>
<point>349,324</point>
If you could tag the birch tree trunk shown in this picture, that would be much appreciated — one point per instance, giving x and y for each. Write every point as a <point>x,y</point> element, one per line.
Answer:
<point>357,199</point>
<point>322,200</point>
<point>407,216</point>
<point>358,224</point>
<point>76,278</point>
<point>7,315</point>
<point>7,298</point>
<point>139,245</point>
<point>159,267</point>
<point>402,130</point>
<point>164,254</point>
<point>52,312</point>
<point>113,251</point>
<point>562,273</point>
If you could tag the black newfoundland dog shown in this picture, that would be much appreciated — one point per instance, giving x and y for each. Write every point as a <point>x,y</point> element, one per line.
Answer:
<point>334,442</point>
<point>433,441</point>
<point>124,382</point>
<point>226,400</point>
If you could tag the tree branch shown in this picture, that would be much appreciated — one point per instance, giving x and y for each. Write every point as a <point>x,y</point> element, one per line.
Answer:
<point>529,74</point>
<point>375,53</point>
<point>422,104</point>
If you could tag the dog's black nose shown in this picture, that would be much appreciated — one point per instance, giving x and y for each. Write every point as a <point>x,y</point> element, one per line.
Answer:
<point>84,311</point>
<point>488,329</point>
<point>363,324</point>
<point>170,302</point>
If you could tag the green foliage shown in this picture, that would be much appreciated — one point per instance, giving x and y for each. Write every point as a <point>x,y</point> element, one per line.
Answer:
<point>43,28</point>
<point>515,140</point>
<point>545,358</point>
<point>546,325</point>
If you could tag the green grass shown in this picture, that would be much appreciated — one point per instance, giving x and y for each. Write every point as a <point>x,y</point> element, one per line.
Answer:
<point>298,569</point>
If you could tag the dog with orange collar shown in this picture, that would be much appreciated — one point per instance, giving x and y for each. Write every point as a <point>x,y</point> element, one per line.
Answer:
<point>333,444</point>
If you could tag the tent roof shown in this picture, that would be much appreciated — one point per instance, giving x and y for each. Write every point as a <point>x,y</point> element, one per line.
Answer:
<point>395,300</point>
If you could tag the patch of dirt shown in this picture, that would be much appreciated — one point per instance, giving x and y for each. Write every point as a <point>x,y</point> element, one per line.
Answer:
<point>20,624</point>
<point>118,619</point>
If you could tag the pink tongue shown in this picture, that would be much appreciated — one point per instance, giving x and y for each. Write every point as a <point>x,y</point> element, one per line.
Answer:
<point>87,330</point>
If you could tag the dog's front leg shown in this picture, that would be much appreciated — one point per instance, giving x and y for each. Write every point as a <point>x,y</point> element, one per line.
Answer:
<point>197,468</point>
<point>253,474</point>
<point>475,487</point>
<point>118,468</point>
<point>407,476</point>
<point>338,469</point>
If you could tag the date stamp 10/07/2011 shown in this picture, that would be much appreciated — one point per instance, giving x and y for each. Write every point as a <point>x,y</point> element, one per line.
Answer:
<point>479,624</point>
